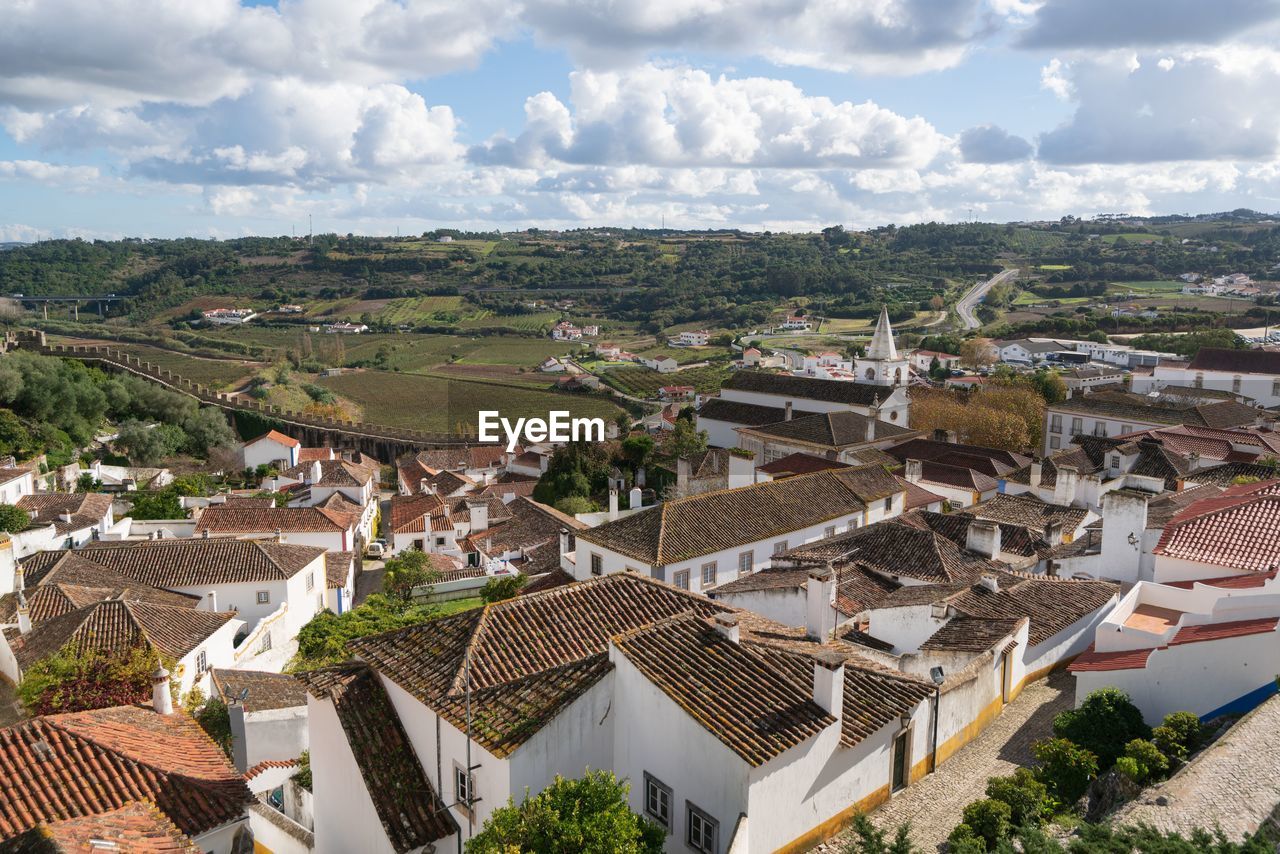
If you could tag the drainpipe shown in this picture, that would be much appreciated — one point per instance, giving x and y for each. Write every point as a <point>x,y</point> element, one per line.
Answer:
<point>933,752</point>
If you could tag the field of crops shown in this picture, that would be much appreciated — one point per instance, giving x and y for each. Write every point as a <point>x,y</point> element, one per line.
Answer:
<point>1036,240</point>
<point>213,372</point>
<point>642,382</point>
<point>1133,237</point>
<point>435,403</point>
<point>1160,287</point>
<point>523,322</point>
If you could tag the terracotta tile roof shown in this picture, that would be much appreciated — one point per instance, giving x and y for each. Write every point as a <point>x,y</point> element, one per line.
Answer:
<point>337,569</point>
<point>830,429</point>
<point>1221,631</point>
<point>460,509</point>
<point>86,763</point>
<point>1162,508</point>
<point>547,581</point>
<point>307,455</point>
<point>1128,659</point>
<point>234,519</point>
<point>8,473</point>
<point>918,496</point>
<point>957,476</point>
<point>199,561</point>
<point>266,690</point>
<point>412,814</point>
<point>685,528</point>
<point>971,634</point>
<point>409,513</point>
<point>446,482</point>
<point>1014,539</point>
<point>76,583</point>
<point>1051,604</point>
<point>1143,410</point>
<point>851,634</point>
<point>268,764</point>
<point>1227,473</point>
<point>518,686</point>
<point>501,489</point>
<point>896,547</point>
<point>86,509</point>
<point>1028,511</point>
<point>117,625</point>
<point>807,388</point>
<point>1239,529</point>
<point>276,436</point>
<point>793,464</point>
<point>1236,361</point>
<point>990,461</point>
<point>137,827</point>
<point>747,414</point>
<point>411,473</point>
<point>338,472</point>
<point>857,588</point>
<point>739,697</point>
<point>477,457</point>
<point>1227,582</point>
<point>530,525</point>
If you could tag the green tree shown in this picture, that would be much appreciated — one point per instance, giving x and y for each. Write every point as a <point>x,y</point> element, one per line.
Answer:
<point>1065,768</point>
<point>575,504</point>
<point>1150,763</point>
<point>215,720</point>
<point>13,518</point>
<point>589,814</point>
<point>1179,734</point>
<point>15,439</point>
<point>405,572</point>
<point>1103,724</point>
<point>502,588</point>
<point>871,840</point>
<point>988,820</point>
<point>323,640</point>
<point>160,504</point>
<point>686,439</point>
<point>1027,797</point>
<point>637,450</point>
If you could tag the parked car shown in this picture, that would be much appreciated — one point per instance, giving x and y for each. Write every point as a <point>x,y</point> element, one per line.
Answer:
<point>374,550</point>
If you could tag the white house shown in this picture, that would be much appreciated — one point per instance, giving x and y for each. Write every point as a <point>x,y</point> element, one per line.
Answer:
<point>663,364</point>
<point>1254,374</point>
<point>674,542</point>
<point>15,483</point>
<point>345,484</point>
<point>1116,413</point>
<point>336,529</point>
<point>230,316</point>
<point>271,448</point>
<point>922,360</point>
<point>795,324</point>
<point>268,713</point>
<point>340,586</point>
<point>696,338</point>
<point>62,520</point>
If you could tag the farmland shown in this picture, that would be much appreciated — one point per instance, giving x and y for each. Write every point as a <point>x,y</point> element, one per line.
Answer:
<point>221,373</point>
<point>642,382</point>
<point>437,404</point>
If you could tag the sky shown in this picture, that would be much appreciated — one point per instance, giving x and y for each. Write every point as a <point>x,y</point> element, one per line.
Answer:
<point>215,118</point>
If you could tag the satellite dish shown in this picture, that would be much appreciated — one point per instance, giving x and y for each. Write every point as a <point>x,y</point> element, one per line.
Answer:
<point>244,694</point>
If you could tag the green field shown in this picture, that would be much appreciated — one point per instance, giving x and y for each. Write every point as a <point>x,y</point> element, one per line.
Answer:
<point>213,372</point>
<point>537,322</point>
<point>1052,267</point>
<point>429,403</point>
<point>1160,287</point>
<point>1037,240</point>
<point>1029,298</point>
<point>1132,237</point>
<point>642,382</point>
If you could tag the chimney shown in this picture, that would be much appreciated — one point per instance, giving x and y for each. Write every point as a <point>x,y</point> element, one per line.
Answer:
<point>983,537</point>
<point>613,504</point>
<point>316,472</point>
<point>278,535</point>
<point>1193,460</point>
<point>1064,488</point>
<point>564,541</point>
<point>161,699</point>
<point>66,517</point>
<point>1037,472</point>
<point>871,428</point>
<point>988,581</point>
<point>212,598</point>
<point>828,682</point>
<point>786,410</point>
<point>24,615</point>
<point>478,514</point>
<point>635,499</point>
<point>1053,532</point>
<point>424,486</point>
<point>683,470</point>
<point>727,625</point>
<point>820,595</point>
<point>205,534</point>
<point>915,471</point>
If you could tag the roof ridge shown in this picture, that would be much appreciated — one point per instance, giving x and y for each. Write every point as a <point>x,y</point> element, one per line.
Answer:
<point>460,678</point>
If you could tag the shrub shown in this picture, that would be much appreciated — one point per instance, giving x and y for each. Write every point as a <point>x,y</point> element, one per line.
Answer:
<point>1179,735</point>
<point>871,840</point>
<point>1065,768</point>
<point>1151,763</point>
<point>71,680</point>
<point>1129,767</point>
<point>215,720</point>
<point>1103,724</point>
<point>13,518</point>
<point>501,589</point>
<point>989,820</point>
<point>1027,797</point>
<point>963,840</point>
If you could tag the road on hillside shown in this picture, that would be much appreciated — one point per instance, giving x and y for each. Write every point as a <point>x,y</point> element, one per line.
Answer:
<point>974,295</point>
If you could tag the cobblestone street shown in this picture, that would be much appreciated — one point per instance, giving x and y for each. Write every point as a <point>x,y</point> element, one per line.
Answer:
<point>933,805</point>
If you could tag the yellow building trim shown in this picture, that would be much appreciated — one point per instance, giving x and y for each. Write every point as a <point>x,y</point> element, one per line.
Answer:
<point>836,823</point>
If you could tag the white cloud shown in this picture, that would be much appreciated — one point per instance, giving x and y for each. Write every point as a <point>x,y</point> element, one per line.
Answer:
<point>51,174</point>
<point>683,117</point>
<point>1059,24</point>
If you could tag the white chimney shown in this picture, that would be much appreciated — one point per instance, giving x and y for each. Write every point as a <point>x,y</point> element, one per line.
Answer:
<point>613,504</point>
<point>871,428</point>
<point>24,615</point>
<point>316,472</point>
<point>820,597</point>
<point>828,683</point>
<point>635,499</point>
<point>212,598</point>
<point>564,541</point>
<point>1053,532</point>
<point>205,534</point>
<point>1064,487</point>
<point>915,471</point>
<point>983,537</point>
<point>727,625</point>
<point>161,699</point>
<point>1036,473</point>
<point>66,517</point>
<point>988,581</point>
<point>478,514</point>
<point>786,410</point>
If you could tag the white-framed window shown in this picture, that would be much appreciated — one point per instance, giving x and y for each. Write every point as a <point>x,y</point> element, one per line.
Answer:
<point>681,579</point>
<point>829,531</point>
<point>264,597</point>
<point>709,574</point>
<point>1126,429</point>
<point>597,564</point>
<point>440,541</point>
<point>1275,388</point>
<point>1055,442</point>
<point>266,643</point>
<point>1077,426</point>
<point>1235,384</point>
<point>779,547</point>
<point>888,504</point>
<point>1100,428</point>
<point>702,831</point>
<point>1055,424</point>
<point>746,560</point>
<point>657,800</point>
<point>464,786</point>
<point>202,662</point>
<point>311,581</point>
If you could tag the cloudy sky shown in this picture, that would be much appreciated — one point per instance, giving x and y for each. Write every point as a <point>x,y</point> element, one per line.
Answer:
<point>218,118</point>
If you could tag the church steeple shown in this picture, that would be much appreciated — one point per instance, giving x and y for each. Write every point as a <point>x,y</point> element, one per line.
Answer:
<point>882,346</point>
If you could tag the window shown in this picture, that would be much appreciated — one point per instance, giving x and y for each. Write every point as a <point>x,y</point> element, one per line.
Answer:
<point>746,561</point>
<point>440,541</point>
<point>311,581</point>
<point>709,574</point>
<point>1235,384</point>
<point>1055,424</point>
<point>829,531</point>
<point>597,565</point>
<point>266,643</point>
<point>702,830</point>
<point>779,547</point>
<point>682,579</point>
<point>657,801</point>
<point>1126,429</point>
<point>1077,426</point>
<point>1199,381</point>
<point>202,662</point>
<point>264,597</point>
<point>1275,388</point>
<point>1100,428</point>
<point>464,785</point>
<point>888,504</point>
<point>1055,442</point>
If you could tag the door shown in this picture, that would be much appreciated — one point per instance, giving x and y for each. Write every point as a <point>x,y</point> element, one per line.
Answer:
<point>900,749</point>
<point>1004,677</point>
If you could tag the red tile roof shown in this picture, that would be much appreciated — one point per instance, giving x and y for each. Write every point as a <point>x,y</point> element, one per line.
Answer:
<point>793,464</point>
<point>918,496</point>
<point>1129,659</point>
<point>1221,631</point>
<point>409,512</point>
<point>138,827</point>
<point>1240,528</point>
<point>87,763</point>
<point>233,519</point>
<point>189,562</point>
<point>1227,582</point>
<point>276,436</point>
